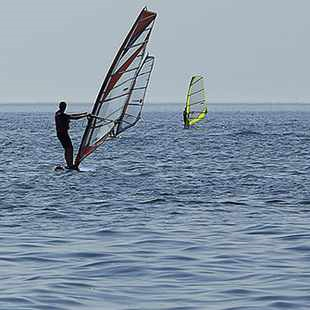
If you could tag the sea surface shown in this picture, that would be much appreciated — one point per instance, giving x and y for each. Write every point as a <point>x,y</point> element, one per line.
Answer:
<point>215,217</point>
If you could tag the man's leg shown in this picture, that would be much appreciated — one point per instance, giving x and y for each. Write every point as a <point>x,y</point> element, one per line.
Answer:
<point>69,156</point>
<point>67,145</point>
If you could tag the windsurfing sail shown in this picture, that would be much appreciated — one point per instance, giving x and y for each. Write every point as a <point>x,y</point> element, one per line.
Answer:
<point>133,108</point>
<point>117,86</point>
<point>196,101</point>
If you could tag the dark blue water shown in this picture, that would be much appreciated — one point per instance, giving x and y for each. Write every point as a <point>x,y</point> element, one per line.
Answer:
<point>216,217</point>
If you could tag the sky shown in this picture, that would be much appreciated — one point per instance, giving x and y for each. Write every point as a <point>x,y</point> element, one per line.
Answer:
<point>249,50</point>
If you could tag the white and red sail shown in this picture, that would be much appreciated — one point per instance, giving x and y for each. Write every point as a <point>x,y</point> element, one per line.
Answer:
<point>115,97</point>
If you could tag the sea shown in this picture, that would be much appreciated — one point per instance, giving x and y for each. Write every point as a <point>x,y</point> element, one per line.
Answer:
<point>216,217</point>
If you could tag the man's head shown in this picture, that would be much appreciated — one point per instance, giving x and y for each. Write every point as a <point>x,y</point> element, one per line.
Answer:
<point>62,106</point>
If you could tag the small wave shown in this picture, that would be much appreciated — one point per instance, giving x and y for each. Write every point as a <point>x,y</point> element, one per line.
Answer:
<point>238,291</point>
<point>132,209</point>
<point>87,255</point>
<point>235,203</point>
<point>247,133</point>
<point>179,258</point>
<point>285,305</point>
<point>15,300</point>
<point>295,237</point>
<point>175,213</point>
<point>301,248</point>
<point>151,201</point>
<point>304,202</point>
<point>36,259</point>
<point>274,201</point>
<point>106,232</point>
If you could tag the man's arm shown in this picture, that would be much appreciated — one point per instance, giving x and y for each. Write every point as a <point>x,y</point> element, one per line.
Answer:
<point>78,115</point>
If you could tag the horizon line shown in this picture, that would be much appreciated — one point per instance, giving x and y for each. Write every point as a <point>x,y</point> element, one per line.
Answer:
<point>158,102</point>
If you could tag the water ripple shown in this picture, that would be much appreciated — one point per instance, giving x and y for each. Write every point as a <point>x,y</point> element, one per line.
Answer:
<point>211,218</point>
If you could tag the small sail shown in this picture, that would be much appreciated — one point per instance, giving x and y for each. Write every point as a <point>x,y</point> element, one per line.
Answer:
<point>132,110</point>
<point>117,86</point>
<point>196,101</point>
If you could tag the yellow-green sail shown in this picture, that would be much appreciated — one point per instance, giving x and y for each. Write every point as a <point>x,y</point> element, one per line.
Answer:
<point>196,101</point>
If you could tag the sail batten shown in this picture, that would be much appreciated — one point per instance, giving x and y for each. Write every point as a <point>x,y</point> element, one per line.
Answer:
<point>138,44</point>
<point>197,80</point>
<point>197,91</point>
<point>117,97</point>
<point>198,102</point>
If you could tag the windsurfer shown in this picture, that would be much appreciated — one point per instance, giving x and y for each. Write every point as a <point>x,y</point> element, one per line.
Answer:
<point>62,121</point>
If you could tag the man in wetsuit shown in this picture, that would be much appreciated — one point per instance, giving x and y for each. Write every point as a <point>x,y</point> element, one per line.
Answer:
<point>185,119</point>
<point>62,121</point>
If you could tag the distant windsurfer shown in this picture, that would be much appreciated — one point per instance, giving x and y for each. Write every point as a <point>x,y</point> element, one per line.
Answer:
<point>185,119</point>
<point>62,121</point>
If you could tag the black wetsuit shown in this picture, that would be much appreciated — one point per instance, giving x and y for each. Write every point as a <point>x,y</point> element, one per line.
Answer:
<point>62,121</point>
<point>185,119</point>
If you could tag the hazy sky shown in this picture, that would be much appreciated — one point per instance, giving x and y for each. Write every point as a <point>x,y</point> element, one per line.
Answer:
<point>250,50</point>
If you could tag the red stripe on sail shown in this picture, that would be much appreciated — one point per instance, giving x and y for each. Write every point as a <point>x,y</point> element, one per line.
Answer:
<point>146,18</point>
<point>115,78</point>
<point>87,150</point>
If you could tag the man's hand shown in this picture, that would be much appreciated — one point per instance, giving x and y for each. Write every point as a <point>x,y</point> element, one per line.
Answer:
<point>90,116</point>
